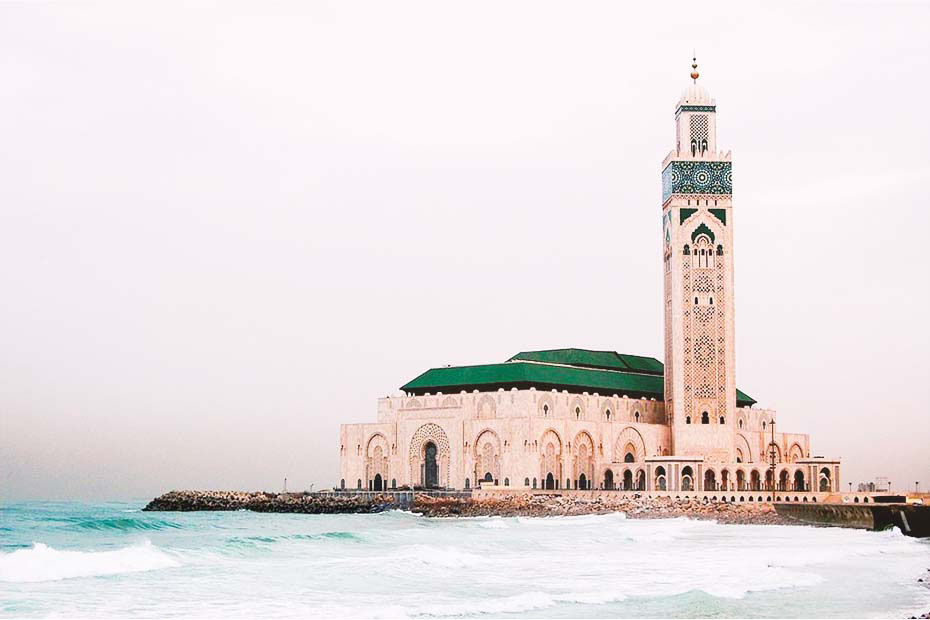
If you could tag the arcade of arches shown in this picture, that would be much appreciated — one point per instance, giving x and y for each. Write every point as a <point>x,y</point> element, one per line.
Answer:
<point>577,464</point>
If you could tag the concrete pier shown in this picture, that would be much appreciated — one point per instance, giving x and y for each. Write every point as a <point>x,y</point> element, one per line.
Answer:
<point>911,519</point>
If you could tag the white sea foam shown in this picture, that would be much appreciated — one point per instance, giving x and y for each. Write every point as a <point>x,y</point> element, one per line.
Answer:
<point>43,563</point>
<point>403,565</point>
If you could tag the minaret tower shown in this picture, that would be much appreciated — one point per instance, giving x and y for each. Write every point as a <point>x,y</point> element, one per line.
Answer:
<point>697,230</point>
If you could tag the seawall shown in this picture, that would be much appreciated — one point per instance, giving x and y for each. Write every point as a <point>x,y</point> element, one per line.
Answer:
<point>911,519</point>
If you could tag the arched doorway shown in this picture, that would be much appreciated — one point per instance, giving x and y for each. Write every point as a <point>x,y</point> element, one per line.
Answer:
<point>431,467</point>
<point>660,483</point>
<point>783,481</point>
<point>550,481</point>
<point>769,479</point>
<point>724,480</point>
<point>582,482</point>
<point>825,479</point>
<point>755,482</point>
<point>740,480</point>
<point>687,479</point>
<point>799,480</point>
<point>710,480</point>
<point>609,479</point>
<point>628,480</point>
<point>641,480</point>
<point>378,484</point>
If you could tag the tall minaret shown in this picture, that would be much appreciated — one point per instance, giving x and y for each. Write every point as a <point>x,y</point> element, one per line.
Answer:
<point>697,230</point>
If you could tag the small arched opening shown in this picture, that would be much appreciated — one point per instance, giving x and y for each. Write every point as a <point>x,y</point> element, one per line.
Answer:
<point>660,481</point>
<point>687,479</point>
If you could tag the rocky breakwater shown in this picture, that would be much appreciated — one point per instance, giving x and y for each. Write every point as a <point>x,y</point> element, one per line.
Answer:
<point>544,505</point>
<point>307,503</point>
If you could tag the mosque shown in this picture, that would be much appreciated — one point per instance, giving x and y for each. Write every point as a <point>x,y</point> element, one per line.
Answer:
<point>584,419</point>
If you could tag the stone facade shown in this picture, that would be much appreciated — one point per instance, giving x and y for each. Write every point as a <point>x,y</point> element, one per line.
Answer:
<point>525,433</point>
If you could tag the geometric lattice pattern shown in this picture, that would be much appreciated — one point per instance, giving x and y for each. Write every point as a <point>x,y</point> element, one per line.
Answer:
<point>697,177</point>
<point>699,128</point>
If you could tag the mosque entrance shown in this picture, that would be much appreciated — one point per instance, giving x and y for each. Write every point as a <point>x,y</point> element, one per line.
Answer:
<point>431,469</point>
<point>378,484</point>
<point>550,481</point>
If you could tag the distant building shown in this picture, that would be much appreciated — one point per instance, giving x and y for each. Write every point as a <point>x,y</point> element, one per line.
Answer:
<point>583,419</point>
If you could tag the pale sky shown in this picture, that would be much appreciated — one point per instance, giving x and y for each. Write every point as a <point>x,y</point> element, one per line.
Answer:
<point>225,230</point>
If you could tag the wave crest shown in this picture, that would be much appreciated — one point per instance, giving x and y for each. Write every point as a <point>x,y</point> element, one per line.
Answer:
<point>43,563</point>
<point>123,524</point>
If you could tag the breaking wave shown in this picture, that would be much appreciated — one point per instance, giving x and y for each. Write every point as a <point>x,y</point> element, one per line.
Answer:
<point>43,563</point>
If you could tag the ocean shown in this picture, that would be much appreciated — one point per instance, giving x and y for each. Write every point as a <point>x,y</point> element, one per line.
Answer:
<point>111,559</point>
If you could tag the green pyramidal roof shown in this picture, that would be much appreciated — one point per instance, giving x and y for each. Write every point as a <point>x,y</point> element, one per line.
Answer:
<point>608,360</point>
<point>573,370</point>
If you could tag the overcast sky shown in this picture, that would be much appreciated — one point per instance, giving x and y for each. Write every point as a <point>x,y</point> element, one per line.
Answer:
<point>226,230</point>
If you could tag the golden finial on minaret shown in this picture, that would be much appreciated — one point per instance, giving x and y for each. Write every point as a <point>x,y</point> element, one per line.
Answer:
<point>694,73</point>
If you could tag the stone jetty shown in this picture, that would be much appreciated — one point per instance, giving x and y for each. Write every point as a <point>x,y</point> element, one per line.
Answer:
<point>431,505</point>
<point>307,503</point>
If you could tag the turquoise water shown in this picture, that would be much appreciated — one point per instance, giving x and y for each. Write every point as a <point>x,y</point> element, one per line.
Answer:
<point>97,560</point>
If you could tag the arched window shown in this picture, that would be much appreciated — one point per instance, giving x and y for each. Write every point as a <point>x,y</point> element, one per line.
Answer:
<point>577,412</point>
<point>723,420</point>
<point>705,418</point>
<point>546,410</point>
<point>694,146</point>
<point>359,484</point>
<point>688,420</point>
<point>393,483</point>
<point>695,301</point>
<point>636,416</point>
<point>712,301</point>
<point>534,483</point>
<point>526,482</point>
<point>704,145</point>
<point>608,415</point>
<point>687,250</point>
<point>506,482</point>
<point>719,250</point>
<point>763,425</point>
<point>342,483</point>
<point>629,458</point>
<point>467,483</point>
<point>741,423</point>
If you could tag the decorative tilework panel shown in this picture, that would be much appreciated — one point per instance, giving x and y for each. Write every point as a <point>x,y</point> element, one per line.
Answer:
<point>697,177</point>
<point>696,108</point>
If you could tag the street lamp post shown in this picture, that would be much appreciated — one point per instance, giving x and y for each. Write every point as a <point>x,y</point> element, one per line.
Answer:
<point>772,457</point>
